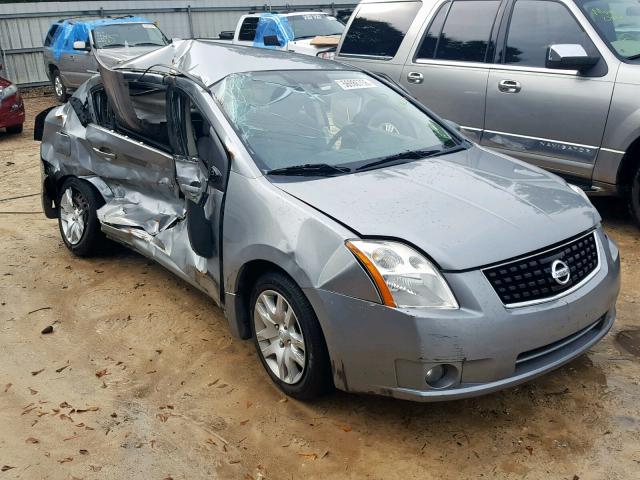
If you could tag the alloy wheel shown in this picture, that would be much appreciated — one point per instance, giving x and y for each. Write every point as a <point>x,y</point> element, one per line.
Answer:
<point>279,336</point>
<point>57,86</point>
<point>74,210</point>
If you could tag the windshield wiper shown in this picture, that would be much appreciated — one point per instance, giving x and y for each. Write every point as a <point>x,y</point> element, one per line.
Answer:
<point>310,169</point>
<point>114,45</point>
<point>407,155</point>
<point>147,44</point>
<point>634,57</point>
<point>399,157</point>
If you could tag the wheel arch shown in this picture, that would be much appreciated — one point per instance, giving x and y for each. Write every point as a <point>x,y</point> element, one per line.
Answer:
<point>630,163</point>
<point>237,303</point>
<point>96,183</point>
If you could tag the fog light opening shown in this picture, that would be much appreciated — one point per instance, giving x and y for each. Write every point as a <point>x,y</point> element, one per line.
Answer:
<point>441,376</point>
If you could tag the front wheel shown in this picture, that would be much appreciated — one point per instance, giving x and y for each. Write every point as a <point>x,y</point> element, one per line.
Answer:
<point>78,220</point>
<point>58,86</point>
<point>634,197</point>
<point>288,338</point>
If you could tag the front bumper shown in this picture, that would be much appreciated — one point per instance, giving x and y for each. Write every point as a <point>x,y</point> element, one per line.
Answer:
<point>11,112</point>
<point>388,351</point>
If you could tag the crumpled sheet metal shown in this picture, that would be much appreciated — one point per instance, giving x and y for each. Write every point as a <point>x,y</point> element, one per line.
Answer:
<point>193,58</point>
<point>171,249</point>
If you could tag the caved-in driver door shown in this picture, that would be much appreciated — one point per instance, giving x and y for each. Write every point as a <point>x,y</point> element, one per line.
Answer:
<point>201,171</point>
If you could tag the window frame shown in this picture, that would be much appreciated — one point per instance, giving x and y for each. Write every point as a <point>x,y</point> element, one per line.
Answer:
<point>500,54</point>
<point>246,19</point>
<point>51,35</point>
<point>494,36</point>
<point>119,129</point>
<point>354,16</point>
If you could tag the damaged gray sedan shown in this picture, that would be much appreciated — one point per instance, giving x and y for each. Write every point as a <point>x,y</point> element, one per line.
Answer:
<point>358,238</point>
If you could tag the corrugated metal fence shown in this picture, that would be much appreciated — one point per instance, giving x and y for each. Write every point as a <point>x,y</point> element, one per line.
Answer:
<point>23,25</point>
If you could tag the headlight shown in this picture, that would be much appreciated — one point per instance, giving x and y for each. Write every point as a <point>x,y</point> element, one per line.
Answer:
<point>579,191</point>
<point>8,91</point>
<point>404,277</point>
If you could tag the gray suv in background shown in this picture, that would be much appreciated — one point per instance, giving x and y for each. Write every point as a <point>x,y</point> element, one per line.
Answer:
<point>70,45</point>
<point>552,82</point>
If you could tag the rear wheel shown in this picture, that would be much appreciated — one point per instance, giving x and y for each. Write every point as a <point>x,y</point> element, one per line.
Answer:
<point>288,337</point>
<point>634,197</point>
<point>58,86</point>
<point>78,203</point>
<point>15,129</point>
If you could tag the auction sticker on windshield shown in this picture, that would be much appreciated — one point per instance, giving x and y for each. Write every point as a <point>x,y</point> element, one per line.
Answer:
<point>354,83</point>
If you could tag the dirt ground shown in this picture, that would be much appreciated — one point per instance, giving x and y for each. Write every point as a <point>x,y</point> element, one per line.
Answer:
<point>141,379</point>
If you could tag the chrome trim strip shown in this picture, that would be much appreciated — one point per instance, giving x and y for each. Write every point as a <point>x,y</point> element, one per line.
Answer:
<point>612,150</point>
<point>492,66</point>
<point>561,294</point>
<point>563,343</point>
<point>471,128</point>
<point>543,139</point>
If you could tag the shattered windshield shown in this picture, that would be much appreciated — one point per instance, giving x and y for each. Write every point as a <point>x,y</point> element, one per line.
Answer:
<point>313,24</point>
<point>326,119</point>
<point>128,35</point>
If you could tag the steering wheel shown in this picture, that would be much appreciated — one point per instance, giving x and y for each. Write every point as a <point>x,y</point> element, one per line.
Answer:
<point>346,130</point>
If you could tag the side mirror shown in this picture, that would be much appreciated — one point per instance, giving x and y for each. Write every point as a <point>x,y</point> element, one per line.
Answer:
<point>569,56</point>
<point>271,41</point>
<point>80,45</point>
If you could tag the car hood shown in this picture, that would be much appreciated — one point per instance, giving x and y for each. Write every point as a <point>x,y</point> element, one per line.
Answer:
<point>114,56</point>
<point>465,209</point>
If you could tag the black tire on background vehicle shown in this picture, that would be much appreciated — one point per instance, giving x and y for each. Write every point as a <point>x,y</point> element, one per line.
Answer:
<point>15,129</point>
<point>59,89</point>
<point>78,221</point>
<point>291,333</point>
<point>634,197</point>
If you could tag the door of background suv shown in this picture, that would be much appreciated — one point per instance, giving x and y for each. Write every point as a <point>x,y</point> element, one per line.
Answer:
<point>448,67</point>
<point>553,118</point>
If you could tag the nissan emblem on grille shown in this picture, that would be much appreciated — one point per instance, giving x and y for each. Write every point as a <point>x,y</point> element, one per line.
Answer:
<point>544,275</point>
<point>560,272</point>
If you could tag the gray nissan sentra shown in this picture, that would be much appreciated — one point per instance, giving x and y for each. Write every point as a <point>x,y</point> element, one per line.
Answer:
<point>358,238</point>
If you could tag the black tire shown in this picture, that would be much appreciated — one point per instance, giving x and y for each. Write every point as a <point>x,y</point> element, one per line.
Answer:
<point>634,197</point>
<point>60,93</point>
<point>15,129</point>
<point>316,377</point>
<point>92,240</point>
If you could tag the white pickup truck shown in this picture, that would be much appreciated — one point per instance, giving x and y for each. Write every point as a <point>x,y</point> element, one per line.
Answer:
<point>309,33</point>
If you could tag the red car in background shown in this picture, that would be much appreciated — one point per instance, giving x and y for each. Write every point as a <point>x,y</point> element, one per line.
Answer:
<point>11,107</point>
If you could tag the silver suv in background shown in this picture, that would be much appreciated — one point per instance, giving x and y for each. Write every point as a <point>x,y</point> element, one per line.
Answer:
<point>70,44</point>
<point>552,82</point>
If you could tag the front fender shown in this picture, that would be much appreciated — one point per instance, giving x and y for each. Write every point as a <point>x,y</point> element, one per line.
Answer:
<point>263,223</point>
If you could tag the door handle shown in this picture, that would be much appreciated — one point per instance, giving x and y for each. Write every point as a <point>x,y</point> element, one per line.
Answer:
<point>415,77</point>
<point>104,153</point>
<point>509,86</point>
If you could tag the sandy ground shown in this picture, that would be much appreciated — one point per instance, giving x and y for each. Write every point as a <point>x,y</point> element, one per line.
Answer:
<point>141,379</point>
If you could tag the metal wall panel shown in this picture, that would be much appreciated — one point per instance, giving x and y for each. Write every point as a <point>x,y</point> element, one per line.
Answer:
<point>23,26</point>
